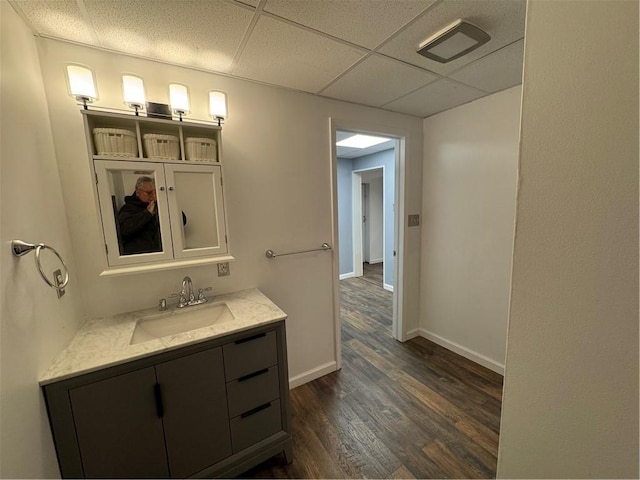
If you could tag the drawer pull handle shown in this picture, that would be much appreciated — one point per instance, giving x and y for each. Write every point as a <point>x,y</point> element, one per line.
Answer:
<point>248,339</point>
<point>254,374</point>
<point>255,410</point>
<point>158,395</point>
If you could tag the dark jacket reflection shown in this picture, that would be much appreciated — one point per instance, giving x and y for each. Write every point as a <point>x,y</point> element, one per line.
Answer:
<point>139,228</point>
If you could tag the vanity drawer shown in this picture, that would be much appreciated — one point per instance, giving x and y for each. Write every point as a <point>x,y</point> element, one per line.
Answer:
<point>252,390</point>
<point>255,425</point>
<point>250,354</point>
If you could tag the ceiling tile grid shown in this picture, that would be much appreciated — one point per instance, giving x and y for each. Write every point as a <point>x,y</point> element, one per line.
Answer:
<point>435,98</point>
<point>495,72</point>
<point>362,22</point>
<point>282,54</point>
<point>503,20</point>
<point>56,18</point>
<point>378,80</point>
<point>190,33</point>
<point>361,51</point>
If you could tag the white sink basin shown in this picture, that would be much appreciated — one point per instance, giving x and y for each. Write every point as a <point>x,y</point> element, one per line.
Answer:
<point>163,324</point>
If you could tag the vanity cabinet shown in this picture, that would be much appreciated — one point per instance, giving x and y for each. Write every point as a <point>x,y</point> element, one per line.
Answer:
<point>189,221</point>
<point>212,409</point>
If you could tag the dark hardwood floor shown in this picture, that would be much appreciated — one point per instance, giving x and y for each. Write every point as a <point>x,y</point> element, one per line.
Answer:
<point>395,410</point>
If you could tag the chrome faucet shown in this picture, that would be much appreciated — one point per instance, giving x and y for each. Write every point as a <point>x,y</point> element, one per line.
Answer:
<point>187,295</point>
<point>187,290</point>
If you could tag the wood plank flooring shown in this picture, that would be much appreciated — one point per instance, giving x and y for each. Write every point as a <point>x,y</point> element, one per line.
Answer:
<point>395,410</point>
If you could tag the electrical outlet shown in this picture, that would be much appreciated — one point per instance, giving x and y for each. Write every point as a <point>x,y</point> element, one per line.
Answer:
<point>223,269</point>
<point>414,220</point>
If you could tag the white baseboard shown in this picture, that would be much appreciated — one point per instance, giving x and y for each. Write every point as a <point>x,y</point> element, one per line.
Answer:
<point>412,334</point>
<point>347,275</point>
<point>464,351</point>
<point>312,374</point>
<point>386,286</point>
<point>377,260</point>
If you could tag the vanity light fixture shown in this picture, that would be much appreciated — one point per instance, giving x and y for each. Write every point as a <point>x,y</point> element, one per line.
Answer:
<point>453,41</point>
<point>218,105</point>
<point>133,92</point>
<point>179,99</point>
<point>81,84</point>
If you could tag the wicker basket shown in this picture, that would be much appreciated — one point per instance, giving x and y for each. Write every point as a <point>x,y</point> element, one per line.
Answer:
<point>115,142</point>
<point>161,147</point>
<point>201,149</point>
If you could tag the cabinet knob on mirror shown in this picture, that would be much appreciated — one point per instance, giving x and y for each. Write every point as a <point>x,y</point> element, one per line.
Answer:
<point>171,189</point>
<point>162,189</point>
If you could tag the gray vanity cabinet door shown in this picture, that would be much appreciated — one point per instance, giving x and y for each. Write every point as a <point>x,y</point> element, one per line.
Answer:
<point>118,429</point>
<point>196,421</point>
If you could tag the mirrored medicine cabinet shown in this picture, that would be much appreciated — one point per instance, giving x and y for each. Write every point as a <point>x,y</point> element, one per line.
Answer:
<point>159,191</point>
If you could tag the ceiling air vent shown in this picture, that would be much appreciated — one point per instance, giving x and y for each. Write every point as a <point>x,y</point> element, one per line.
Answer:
<point>453,41</point>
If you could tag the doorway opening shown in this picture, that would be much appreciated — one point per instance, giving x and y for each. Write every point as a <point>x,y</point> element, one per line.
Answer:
<point>368,230</point>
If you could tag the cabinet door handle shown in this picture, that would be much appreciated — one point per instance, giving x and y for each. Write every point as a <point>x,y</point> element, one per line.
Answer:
<point>255,410</point>
<point>162,189</point>
<point>171,189</point>
<point>157,392</point>
<point>248,339</point>
<point>254,374</point>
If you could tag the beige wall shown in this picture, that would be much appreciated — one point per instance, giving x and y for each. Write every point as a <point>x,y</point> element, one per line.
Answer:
<point>278,182</point>
<point>34,324</point>
<point>570,407</point>
<point>468,204</point>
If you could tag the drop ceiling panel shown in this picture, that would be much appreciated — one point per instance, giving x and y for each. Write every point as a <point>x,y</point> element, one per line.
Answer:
<point>189,33</point>
<point>378,80</point>
<point>57,18</point>
<point>364,22</point>
<point>503,20</point>
<point>435,97</point>
<point>282,54</point>
<point>495,72</point>
<point>253,3</point>
<point>275,42</point>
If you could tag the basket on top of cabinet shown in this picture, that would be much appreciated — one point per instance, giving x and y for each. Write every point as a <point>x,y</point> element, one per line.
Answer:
<point>161,147</point>
<point>201,149</point>
<point>115,142</point>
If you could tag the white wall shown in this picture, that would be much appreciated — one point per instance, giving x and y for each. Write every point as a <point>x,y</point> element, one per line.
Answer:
<point>570,407</point>
<point>468,203</point>
<point>375,220</point>
<point>278,181</point>
<point>34,324</point>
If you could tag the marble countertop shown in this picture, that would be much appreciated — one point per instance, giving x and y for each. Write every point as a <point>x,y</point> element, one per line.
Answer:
<point>105,342</point>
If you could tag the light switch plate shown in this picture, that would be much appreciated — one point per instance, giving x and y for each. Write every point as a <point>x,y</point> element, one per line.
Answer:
<point>223,269</point>
<point>414,220</point>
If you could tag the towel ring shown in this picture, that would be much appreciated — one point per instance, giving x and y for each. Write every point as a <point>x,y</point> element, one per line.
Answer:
<point>20,248</point>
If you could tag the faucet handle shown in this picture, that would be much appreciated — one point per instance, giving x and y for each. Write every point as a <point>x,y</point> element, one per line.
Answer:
<point>183,300</point>
<point>201,292</point>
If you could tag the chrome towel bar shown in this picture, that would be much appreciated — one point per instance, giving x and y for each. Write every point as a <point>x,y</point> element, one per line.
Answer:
<point>272,254</point>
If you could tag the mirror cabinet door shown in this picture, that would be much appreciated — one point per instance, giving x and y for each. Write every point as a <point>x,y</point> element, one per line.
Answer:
<point>196,210</point>
<point>134,210</point>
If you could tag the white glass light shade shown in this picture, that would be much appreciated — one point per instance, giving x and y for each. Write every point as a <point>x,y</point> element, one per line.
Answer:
<point>179,98</point>
<point>81,84</point>
<point>133,90</point>
<point>218,104</point>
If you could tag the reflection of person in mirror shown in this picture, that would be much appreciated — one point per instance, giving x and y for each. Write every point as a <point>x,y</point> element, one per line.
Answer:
<point>138,220</point>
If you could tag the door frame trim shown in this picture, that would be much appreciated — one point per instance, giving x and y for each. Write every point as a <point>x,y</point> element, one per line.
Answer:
<point>400,136</point>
